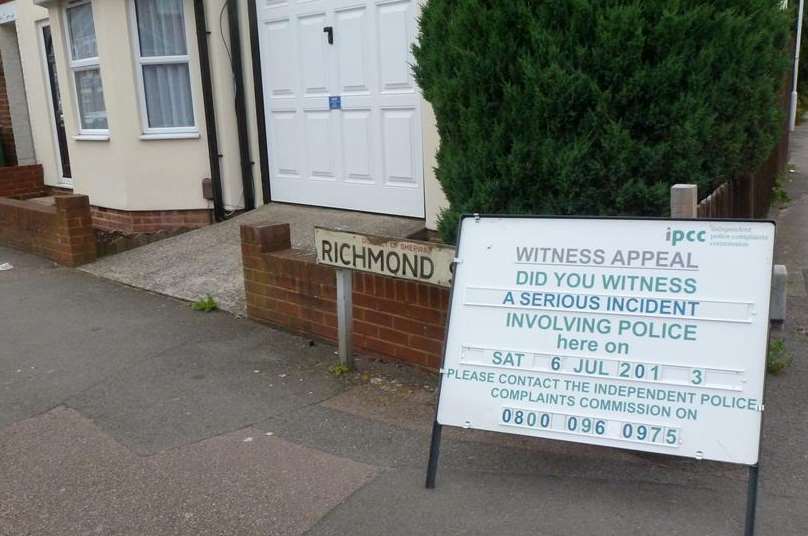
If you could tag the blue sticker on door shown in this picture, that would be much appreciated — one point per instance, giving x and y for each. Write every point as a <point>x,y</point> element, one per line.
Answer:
<point>335,103</point>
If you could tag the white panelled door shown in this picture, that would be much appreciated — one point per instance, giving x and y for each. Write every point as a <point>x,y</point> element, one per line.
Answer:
<point>343,110</point>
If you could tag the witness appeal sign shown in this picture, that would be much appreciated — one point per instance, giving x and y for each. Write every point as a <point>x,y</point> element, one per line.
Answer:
<point>641,334</point>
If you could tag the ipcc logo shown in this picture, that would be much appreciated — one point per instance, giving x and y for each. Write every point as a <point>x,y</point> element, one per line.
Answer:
<point>675,236</point>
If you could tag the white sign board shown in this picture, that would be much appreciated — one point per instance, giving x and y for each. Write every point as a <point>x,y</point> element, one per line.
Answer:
<point>640,334</point>
<point>426,262</point>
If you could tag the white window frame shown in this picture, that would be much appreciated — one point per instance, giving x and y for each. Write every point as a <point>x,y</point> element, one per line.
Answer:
<point>85,64</point>
<point>161,132</point>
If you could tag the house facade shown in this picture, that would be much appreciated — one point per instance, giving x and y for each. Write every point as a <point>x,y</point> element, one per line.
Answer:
<point>165,112</point>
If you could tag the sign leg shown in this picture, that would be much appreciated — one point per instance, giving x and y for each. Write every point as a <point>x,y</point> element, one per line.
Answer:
<point>434,453</point>
<point>345,316</point>
<point>751,499</point>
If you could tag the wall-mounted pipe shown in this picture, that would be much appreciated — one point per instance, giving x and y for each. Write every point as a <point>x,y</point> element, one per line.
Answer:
<point>241,104</point>
<point>258,88</point>
<point>210,115</point>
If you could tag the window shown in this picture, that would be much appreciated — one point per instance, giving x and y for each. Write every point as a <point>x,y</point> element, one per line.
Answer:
<point>85,68</point>
<point>163,71</point>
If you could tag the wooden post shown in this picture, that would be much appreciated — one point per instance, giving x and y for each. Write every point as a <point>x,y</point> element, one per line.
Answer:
<point>684,201</point>
<point>345,316</point>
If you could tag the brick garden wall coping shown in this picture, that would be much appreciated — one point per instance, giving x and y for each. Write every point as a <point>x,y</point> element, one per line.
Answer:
<point>286,288</point>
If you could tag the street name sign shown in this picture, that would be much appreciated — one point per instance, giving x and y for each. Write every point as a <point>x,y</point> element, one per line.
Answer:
<point>639,334</point>
<point>405,259</point>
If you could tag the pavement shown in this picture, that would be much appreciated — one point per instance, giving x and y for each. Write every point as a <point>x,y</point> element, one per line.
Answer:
<point>124,412</point>
<point>207,261</point>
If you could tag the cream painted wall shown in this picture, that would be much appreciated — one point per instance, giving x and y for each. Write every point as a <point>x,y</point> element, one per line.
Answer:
<point>97,167</point>
<point>36,87</point>
<point>223,91</point>
<point>434,198</point>
<point>128,172</point>
<point>249,92</point>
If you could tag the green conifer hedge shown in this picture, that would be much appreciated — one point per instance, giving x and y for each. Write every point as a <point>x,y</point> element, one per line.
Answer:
<point>596,107</point>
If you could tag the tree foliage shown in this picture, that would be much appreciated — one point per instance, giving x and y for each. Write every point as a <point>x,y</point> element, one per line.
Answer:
<point>597,106</point>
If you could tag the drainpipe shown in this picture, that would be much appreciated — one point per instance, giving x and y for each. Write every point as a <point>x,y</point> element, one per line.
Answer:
<point>241,105</point>
<point>258,88</point>
<point>210,115</point>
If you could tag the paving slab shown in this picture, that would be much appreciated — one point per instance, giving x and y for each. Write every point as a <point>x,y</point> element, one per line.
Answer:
<point>199,390</point>
<point>477,503</point>
<point>403,443</point>
<point>61,475</point>
<point>64,331</point>
<point>151,371</point>
<point>785,431</point>
<point>208,260</point>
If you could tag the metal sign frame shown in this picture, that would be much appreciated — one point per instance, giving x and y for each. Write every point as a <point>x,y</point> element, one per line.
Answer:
<point>437,428</point>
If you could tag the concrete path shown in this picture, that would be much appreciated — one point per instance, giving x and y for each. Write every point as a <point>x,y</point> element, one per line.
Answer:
<point>208,260</point>
<point>123,412</point>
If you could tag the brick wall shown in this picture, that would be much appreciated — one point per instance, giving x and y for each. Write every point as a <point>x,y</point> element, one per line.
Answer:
<point>21,181</point>
<point>133,222</point>
<point>148,221</point>
<point>6,131</point>
<point>62,231</point>
<point>404,320</point>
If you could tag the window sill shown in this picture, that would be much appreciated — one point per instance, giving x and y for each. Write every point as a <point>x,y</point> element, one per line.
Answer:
<point>170,136</point>
<point>91,137</point>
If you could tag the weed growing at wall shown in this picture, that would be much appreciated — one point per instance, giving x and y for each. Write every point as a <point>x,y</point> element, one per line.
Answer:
<point>777,358</point>
<point>205,305</point>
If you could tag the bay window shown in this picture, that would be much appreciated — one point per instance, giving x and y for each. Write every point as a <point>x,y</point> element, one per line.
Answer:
<point>85,68</point>
<point>163,67</point>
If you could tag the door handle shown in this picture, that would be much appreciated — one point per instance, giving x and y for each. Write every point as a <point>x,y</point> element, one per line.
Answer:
<point>330,31</point>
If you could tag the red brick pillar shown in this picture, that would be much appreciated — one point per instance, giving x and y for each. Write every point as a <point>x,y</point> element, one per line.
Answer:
<point>75,236</point>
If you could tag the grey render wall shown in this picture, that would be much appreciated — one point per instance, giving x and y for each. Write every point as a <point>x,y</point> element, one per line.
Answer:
<point>15,88</point>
